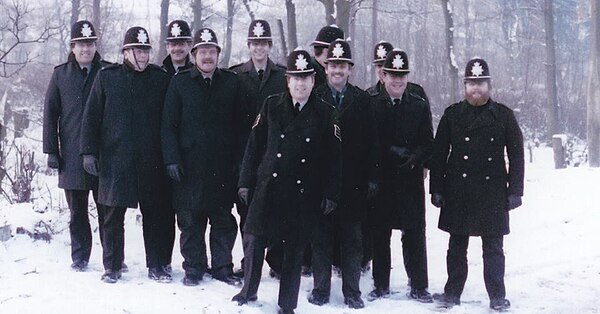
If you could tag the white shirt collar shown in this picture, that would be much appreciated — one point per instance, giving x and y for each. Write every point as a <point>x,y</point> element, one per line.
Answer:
<point>302,104</point>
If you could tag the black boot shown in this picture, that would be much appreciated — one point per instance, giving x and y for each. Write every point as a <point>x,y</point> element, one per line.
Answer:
<point>378,293</point>
<point>421,295</point>
<point>499,304</point>
<point>159,274</point>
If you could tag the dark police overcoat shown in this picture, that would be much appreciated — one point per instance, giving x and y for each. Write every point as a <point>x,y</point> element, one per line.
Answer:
<point>202,130</point>
<point>401,203</point>
<point>121,126</point>
<point>468,168</point>
<point>291,163</point>
<point>360,151</point>
<point>66,95</point>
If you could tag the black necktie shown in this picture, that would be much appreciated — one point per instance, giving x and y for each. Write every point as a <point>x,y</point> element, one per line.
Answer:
<point>297,108</point>
<point>396,102</point>
<point>85,71</point>
<point>338,99</point>
<point>261,74</point>
<point>207,81</point>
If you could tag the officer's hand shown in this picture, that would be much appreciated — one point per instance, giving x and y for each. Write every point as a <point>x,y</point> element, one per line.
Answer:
<point>372,190</point>
<point>245,195</point>
<point>437,200</point>
<point>175,172</point>
<point>514,201</point>
<point>328,206</point>
<point>409,164</point>
<point>90,164</point>
<point>398,151</point>
<point>53,161</point>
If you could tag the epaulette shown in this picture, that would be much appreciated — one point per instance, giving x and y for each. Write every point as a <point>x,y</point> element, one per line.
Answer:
<point>503,106</point>
<point>111,66</point>
<point>183,71</point>
<point>417,96</point>
<point>281,66</point>
<point>60,65</point>
<point>156,67</point>
<point>236,66</point>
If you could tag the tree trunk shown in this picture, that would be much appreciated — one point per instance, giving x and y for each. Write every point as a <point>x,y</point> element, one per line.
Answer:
<point>96,19</point>
<point>228,34</point>
<point>164,20</point>
<point>75,7</point>
<point>374,37</point>
<point>552,117</point>
<point>291,26</point>
<point>342,16</point>
<point>284,49</point>
<point>452,67</point>
<point>329,11</point>
<point>197,9</point>
<point>593,88</point>
<point>250,12</point>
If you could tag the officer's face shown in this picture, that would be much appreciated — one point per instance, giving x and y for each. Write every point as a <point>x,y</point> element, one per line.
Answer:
<point>379,68</point>
<point>179,50</point>
<point>259,49</point>
<point>338,73</point>
<point>477,92</point>
<point>395,84</point>
<point>300,86</point>
<point>206,58</point>
<point>84,51</point>
<point>138,57</point>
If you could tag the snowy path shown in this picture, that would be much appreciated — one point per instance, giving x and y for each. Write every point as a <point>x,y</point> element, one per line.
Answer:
<point>552,258</point>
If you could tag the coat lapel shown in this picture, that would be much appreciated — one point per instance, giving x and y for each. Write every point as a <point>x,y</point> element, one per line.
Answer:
<point>305,118</point>
<point>485,118</point>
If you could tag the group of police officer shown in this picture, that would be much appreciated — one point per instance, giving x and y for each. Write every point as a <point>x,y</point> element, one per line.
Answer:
<point>321,171</point>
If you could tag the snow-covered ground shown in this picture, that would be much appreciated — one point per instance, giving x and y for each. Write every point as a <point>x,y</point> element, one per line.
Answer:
<point>552,259</point>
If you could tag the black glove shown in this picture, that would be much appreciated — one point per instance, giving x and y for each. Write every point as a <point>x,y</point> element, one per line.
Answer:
<point>437,200</point>
<point>245,195</point>
<point>328,206</point>
<point>372,190</point>
<point>53,161</point>
<point>90,164</point>
<point>175,172</point>
<point>514,201</point>
<point>409,164</point>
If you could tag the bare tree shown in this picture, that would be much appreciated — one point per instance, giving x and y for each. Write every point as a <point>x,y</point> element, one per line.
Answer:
<point>552,118</point>
<point>329,11</point>
<point>290,8</point>
<point>75,5</point>
<point>593,88</point>
<point>197,9</point>
<point>96,13</point>
<point>250,12</point>
<point>228,33</point>
<point>449,32</point>
<point>164,20</point>
<point>15,32</point>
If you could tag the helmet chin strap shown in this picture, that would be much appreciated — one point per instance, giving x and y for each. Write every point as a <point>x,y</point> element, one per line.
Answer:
<point>135,60</point>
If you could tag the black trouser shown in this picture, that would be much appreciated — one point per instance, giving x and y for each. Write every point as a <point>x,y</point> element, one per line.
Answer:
<point>274,252</point>
<point>414,252</point>
<point>349,237</point>
<point>79,223</point>
<point>158,225</point>
<point>113,238</point>
<point>493,265</point>
<point>223,231</point>
<point>289,285</point>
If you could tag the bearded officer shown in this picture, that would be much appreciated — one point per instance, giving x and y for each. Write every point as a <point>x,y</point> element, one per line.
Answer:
<point>179,44</point>
<point>120,143</point>
<point>406,137</point>
<point>291,174</point>
<point>260,77</point>
<point>202,143</point>
<point>471,185</point>
<point>359,181</point>
<point>66,95</point>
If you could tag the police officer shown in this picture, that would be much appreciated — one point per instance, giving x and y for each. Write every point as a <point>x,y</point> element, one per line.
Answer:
<point>380,51</point>
<point>359,181</point>
<point>325,36</point>
<point>179,44</point>
<point>291,174</point>
<point>120,143</point>
<point>406,137</point>
<point>202,143</point>
<point>63,108</point>
<point>471,185</point>
<point>260,77</point>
